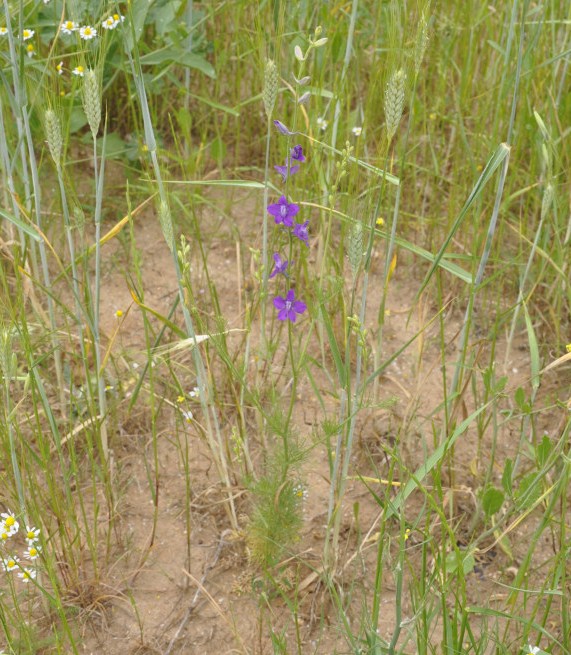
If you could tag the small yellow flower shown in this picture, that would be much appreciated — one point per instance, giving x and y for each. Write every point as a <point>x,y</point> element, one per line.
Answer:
<point>380,221</point>
<point>406,534</point>
<point>568,347</point>
<point>180,399</point>
<point>479,168</point>
<point>433,115</point>
<point>119,313</point>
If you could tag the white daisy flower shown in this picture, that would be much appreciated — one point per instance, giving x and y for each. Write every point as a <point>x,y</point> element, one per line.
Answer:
<point>109,23</point>
<point>32,535</point>
<point>27,574</point>
<point>32,552</point>
<point>322,123</point>
<point>30,50</point>
<point>10,563</point>
<point>195,393</point>
<point>78,70</point>
<point>59,68</point>
<point>27,34</point>
<point>87,32</point>
<point>357,130</point>
<point>300,492</point>
<point>68,26</point>
<point>118,18</point>
<point>10,525</point>
<point>533,650</point>
<point>187,415</point>
<point>3,31</point>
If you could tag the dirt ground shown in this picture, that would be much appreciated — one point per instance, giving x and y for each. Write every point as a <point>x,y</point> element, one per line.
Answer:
<point>170,592</point>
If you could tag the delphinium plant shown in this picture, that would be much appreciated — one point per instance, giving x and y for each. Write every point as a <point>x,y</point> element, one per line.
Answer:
<point>276,516</point>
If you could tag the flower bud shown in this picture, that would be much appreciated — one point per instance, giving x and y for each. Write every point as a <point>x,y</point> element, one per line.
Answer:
<point>298,53</point>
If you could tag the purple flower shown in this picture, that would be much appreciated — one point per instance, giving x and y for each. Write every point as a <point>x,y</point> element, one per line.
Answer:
<point>300,231</point>
<point>280,266</point>
<point>283,170</point>
<point>283,211</point>
<point>297,154</point>
<point>282,128</point>
<point>288,307</point>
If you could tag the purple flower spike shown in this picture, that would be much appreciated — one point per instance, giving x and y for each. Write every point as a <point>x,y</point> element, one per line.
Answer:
<point>282,128</point>
<point>297,154</point>
<point>283,211</point>
<point>288,307</point>
<point>282,170</point>
<point>300,231</point>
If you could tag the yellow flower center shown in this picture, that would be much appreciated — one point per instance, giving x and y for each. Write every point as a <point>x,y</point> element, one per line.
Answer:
<point>33,552</point>
<point>87,31</point>
<point>116,16</point>
<point>11,564</point>
<point>31,535</point>
<point>9,522</point>
<point>30,48</point>
<point>79,69</point>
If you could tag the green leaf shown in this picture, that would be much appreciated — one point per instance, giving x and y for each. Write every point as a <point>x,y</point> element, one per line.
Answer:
<point>543,450</point>
<point>521,402</point>
<point>528,491</point>
<point>340,366</point>
<point>459,560</point>
<point>180,57</point>
<point>434,459</point>
<point>218,149</point>
<point>507,476</point>
<point>533,350</point>
<point>492,500</point>
<point>115,147</point>
<point>25,227</point>
<point>137,18</point>
<point>495,160</point>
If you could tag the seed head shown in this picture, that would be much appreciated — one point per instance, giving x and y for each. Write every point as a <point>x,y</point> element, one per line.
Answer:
<point>165,220</point>
<point>394,102</point>
<point>421,42</point>
<point>92,101</point>
<point>546,200</point>
<point>355,247</point>
<point>53,136</point>
<point>270,87</point>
